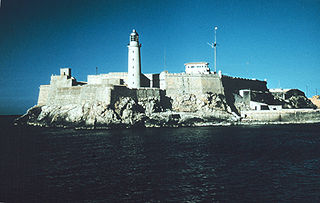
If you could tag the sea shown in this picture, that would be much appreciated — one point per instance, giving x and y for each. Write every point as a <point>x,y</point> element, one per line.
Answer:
<point>258,163</point>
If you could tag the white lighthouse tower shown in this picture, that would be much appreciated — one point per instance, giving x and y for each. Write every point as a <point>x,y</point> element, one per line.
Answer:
<point>134,65</point>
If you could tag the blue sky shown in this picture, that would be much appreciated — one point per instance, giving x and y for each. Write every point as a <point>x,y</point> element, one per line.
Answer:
<point>277,40</point>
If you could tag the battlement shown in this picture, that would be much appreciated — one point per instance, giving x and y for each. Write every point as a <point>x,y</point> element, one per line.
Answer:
<point>234,84</point>
<point>184,83</point>
<point>65,71</point>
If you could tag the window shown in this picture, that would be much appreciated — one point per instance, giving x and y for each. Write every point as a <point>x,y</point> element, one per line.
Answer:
<point>133,38</point>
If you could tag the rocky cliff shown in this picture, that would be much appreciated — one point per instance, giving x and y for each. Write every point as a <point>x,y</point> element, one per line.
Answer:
<point>296,99</point>
<point>186,110</point>
<point>293,99</point>
<point>180,110</point>
<point>316,100</point>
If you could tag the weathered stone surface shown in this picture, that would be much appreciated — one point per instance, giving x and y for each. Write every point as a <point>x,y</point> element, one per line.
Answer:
<point>126,112</point>
<point>282,116</point>
<point>151,105</point>
<point>204,102</point>
<point>298,102</point>
<point>316,100</point>
<point>293,99</point>
<point>187,110</point>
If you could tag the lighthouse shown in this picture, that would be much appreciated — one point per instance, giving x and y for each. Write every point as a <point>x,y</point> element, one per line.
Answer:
<point>134,61</point>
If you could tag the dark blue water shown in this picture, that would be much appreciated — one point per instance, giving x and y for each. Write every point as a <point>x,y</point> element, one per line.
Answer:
<point>204,164</point>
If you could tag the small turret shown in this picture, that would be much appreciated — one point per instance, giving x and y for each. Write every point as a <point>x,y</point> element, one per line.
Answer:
<point>65,71</point>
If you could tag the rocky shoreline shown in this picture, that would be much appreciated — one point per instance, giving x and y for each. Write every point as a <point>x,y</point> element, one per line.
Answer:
<point>189,110</point>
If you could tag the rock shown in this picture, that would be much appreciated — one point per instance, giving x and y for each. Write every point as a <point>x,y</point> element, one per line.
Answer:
<point>30,117</point>
<point>203,102</point>
<point>189,110</point>
<point>185,103</point>
<point>316,100</point>
<point>298,102</point>
<point>294,99</point>
<point>150,105</point>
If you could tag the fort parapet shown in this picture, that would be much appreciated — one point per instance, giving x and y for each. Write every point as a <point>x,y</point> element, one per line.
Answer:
<point>183,83</point>
<point>284,115</point>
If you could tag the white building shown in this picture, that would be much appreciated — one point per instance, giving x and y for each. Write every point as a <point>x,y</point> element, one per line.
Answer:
<point>197,68</point>
<point>134,61</point>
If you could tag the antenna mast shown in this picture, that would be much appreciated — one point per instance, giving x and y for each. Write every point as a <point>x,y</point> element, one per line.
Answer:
<point>164,58</point>
<point>215,49</point>
<point>214,46</point>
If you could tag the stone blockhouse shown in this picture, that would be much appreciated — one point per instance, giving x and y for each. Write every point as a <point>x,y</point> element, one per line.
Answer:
<point>197,68</point>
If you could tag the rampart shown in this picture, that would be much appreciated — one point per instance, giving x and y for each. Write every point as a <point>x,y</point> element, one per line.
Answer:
<point>182,83</point>
<point>62,81</point>
<point>118,78</point>
<point>287,115</point>
<point>43,94</point>
<point>78,94</point>
<point>136,94</point>
<point>233,84</point>
<point>55,95</point>
<point>121,78</point>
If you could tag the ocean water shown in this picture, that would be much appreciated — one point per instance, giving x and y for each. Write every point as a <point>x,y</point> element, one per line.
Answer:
<point>277,163</point>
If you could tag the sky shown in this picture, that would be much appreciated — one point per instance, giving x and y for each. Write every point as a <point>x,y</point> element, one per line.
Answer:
<point>276,40</point>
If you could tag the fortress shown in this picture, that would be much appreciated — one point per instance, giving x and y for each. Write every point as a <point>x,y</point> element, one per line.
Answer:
<point>195,97</point>
<point>108,88</point>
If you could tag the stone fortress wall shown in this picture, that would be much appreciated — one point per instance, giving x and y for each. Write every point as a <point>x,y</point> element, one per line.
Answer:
<point>108,88</point>
<point>283,115</point>
<point>57,94</point>
<point>115,78</point>
<point>183,83</point>
<point>234,84</point>
<point>64,89</point>
<point>121,78</point>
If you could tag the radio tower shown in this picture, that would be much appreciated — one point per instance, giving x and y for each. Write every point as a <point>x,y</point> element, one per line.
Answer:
<point>214,46</point>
